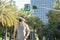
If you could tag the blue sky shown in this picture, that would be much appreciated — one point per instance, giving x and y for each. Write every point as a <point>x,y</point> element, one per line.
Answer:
<point>20,3</point>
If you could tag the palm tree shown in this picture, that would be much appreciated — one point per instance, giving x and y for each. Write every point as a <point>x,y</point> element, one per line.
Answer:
<point>57,4</point>
<point>21,12</point>
<point>8,16</point>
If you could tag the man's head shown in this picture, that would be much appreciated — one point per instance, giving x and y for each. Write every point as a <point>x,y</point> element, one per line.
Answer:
<point>21,19</point>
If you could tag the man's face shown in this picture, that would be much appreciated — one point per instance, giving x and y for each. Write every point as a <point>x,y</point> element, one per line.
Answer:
<point>23,20</point>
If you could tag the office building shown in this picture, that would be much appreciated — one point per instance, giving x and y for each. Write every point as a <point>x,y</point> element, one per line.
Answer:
<point>41,7</point>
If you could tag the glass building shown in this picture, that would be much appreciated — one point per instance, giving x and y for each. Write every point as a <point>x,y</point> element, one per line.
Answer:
<point>41,7</point>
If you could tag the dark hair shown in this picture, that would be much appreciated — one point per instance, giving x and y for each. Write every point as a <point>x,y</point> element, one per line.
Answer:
<point>22,16</point>
<point>20,19</point>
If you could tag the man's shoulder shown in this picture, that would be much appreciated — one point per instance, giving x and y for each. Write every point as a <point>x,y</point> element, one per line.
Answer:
<point>26,24</point>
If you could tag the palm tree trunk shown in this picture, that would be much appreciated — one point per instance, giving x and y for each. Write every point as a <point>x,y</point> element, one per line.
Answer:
<point>10,37</point>
<point>6,33</point>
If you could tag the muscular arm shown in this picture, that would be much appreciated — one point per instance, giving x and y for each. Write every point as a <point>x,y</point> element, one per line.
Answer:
<point>15,30</point>
<point>27,31</point>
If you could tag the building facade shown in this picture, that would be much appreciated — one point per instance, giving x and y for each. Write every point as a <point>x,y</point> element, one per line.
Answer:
<point>41,7</point>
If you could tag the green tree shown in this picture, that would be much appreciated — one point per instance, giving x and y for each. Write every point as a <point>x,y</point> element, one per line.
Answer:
<point>8,15</point>
<point>54,19</point>
<point>24,13</point>
<point>35,23</point>
<point>12,2</point>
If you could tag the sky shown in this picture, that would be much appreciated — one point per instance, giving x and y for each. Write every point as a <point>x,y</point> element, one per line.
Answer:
<point>20,3</point>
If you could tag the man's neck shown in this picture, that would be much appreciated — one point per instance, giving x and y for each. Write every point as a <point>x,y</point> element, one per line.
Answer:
<point>21,22</point>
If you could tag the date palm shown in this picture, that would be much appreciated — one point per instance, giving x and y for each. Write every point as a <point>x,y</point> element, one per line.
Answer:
<point>8,15</point>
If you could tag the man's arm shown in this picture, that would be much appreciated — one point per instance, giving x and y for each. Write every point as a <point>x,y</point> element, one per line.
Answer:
<point>15,30</point>
<point>27,31</point>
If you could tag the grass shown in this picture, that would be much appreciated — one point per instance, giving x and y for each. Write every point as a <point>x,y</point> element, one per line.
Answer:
<point>0,38</point>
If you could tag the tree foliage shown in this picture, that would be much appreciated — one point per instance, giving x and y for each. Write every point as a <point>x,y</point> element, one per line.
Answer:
<point>7,15</point>
<point>54,19</point>
<point>35,23</point>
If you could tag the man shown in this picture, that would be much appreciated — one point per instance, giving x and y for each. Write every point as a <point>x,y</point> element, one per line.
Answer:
<point>22,30</point>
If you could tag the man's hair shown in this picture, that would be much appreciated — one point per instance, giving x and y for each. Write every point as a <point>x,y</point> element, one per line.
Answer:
<point>21,18</point>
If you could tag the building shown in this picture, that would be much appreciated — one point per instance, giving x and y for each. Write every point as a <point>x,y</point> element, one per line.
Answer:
<point>41,7</point>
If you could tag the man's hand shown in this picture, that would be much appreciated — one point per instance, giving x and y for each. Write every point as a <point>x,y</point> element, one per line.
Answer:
<point>25,37</point>
<point>14,38</point>
<point>27,31</point>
